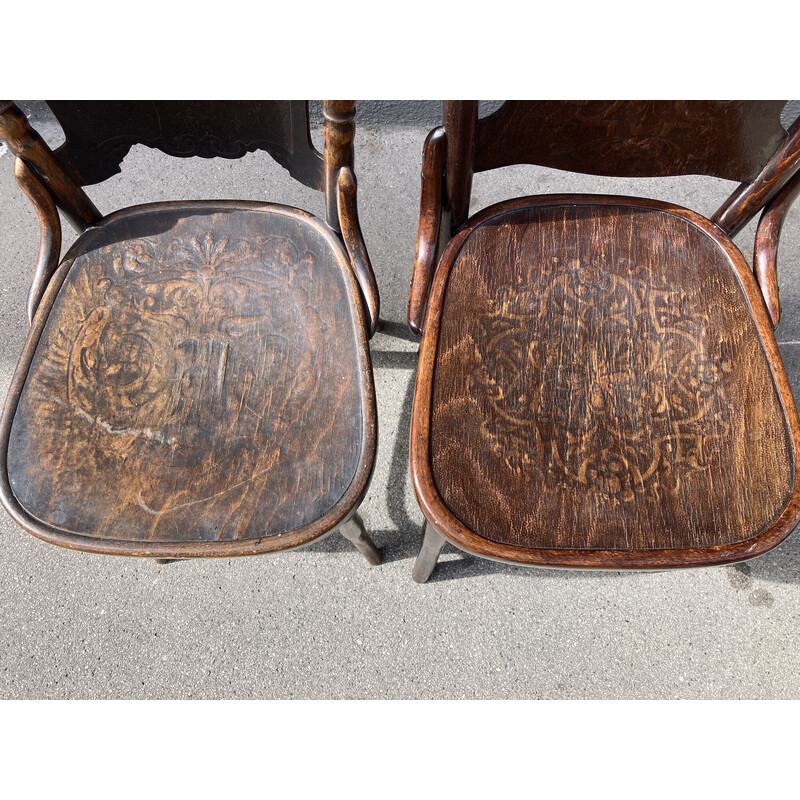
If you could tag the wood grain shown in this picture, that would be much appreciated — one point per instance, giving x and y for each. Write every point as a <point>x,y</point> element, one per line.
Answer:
<point>197,383</point>
<point>633,138</point>
<point>599,386</point>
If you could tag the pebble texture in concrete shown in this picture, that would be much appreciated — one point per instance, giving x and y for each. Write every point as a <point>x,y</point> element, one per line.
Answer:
<point>320,623</point>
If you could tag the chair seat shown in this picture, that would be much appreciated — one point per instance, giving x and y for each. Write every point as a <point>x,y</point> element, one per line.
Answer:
<point>600,387</point>
<point>196,382</point>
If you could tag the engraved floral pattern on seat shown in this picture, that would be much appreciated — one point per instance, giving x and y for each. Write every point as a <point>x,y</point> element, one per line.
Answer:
<point>595,378</point>
<point>189,365</point>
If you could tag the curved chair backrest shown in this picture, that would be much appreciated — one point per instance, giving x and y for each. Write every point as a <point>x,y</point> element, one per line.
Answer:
<point>652,138</point>
<point>99,133</point>
<point>634,138</point>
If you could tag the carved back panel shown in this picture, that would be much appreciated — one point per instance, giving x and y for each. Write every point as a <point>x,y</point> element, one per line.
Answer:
<point>639,138</point>
<point>99,133</point>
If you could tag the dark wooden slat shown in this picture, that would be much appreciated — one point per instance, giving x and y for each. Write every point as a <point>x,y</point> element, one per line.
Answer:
<point>100,133</point>
<point>633,138</point>
<point>460,124</point>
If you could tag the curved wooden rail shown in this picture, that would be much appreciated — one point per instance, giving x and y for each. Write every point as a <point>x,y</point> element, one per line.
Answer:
<point>27,145</point>
<point>750,198</point>
<point>50,226</point>
<point>430,224</point>
<point>354,242</point>
<point>765,257</point>
<point>339,131</point>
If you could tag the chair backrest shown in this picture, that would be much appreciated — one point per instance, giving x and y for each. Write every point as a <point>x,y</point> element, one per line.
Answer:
<point>642,138</point>
<point>100,133</point>
<point>725,139</point>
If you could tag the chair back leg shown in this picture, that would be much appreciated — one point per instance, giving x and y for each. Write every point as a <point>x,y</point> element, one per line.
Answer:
<point>353,530</point>
<point>432,545</point>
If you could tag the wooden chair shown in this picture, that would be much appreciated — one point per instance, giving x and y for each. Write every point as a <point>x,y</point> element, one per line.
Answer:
<point>196,380</point>
<point>599,384</point>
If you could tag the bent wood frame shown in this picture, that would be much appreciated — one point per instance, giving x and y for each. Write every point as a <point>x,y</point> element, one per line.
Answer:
<point>47,182</point>
<point>338,515</point>
<point>442,520</point>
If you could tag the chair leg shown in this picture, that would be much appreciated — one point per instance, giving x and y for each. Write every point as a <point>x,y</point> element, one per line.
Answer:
<point>354,531</point>
<point>432,545</point>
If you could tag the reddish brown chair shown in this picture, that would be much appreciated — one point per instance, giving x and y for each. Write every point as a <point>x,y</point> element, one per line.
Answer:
<point>196,380</point>
<point>599,384</point>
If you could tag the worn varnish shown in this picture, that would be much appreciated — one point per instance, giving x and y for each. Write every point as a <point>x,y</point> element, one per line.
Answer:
<point>618,396</point>
<point>599,385</point>
<point>197,381</point>
<point>632,138</point>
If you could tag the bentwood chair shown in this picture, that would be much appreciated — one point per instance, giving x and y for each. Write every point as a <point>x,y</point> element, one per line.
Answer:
<point>599,384</point>
<point>196,380</point>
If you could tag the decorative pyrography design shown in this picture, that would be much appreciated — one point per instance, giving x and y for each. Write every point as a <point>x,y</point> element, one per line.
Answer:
<point>598,379</point>
<point>163,329</point>
<point>193,368</point>
<point>642,128</point>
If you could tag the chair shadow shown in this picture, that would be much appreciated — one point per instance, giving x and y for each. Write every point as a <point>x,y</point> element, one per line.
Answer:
<point>402,542</point>
<point>397,330</point>
<point>397,543</point>
<point>779,565</point>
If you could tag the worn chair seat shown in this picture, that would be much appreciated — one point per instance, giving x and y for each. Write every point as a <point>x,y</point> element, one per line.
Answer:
<point>196,382</point>
<point>600,386</point>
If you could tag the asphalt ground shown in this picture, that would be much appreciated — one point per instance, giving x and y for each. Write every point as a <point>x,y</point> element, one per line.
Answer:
<point>319,622</point>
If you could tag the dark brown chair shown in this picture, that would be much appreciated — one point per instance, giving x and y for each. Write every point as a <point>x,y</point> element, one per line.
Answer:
<point>599,384</point>
<point>196,380</point>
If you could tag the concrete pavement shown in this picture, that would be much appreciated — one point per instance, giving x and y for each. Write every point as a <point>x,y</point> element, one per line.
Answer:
<point>321,623</point>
